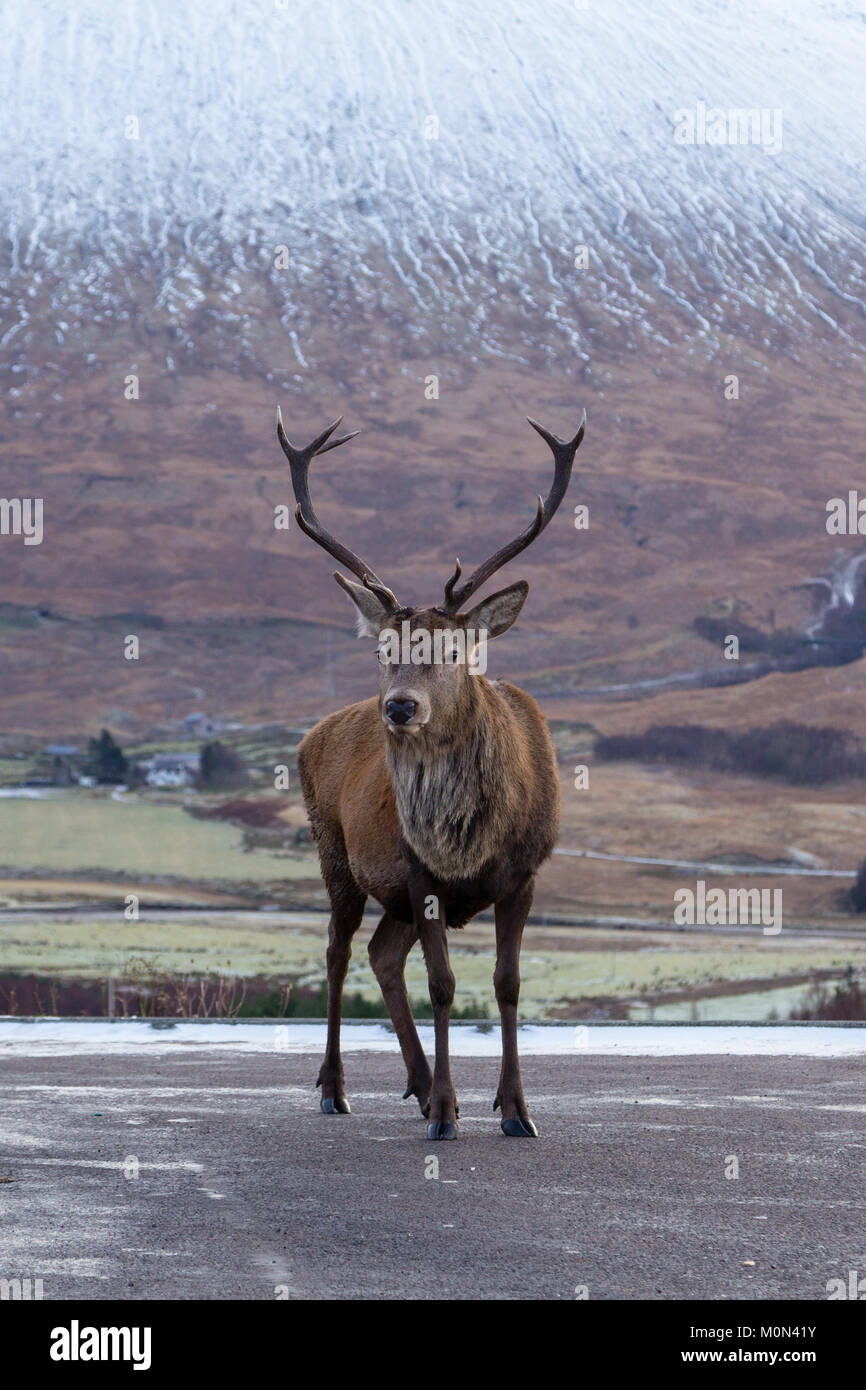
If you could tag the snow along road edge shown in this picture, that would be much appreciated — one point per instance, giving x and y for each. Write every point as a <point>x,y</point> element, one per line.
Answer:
<point>74,1037</point>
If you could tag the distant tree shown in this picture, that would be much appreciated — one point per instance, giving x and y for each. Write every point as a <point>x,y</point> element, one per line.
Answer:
<point>800,753</point>
<point>858,892</point>
<point>220,766</point>
<point>105,760</point>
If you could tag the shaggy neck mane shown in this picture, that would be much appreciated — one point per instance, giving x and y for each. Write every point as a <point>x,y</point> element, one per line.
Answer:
<point>456,803</point>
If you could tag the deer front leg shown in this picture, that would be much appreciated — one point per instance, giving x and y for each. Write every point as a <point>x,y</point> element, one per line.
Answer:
<point>345,919</point>
<point>511,914</point>
<point>429,915</point>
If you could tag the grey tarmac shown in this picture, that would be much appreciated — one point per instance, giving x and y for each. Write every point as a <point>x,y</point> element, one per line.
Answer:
<point>207,1175</point>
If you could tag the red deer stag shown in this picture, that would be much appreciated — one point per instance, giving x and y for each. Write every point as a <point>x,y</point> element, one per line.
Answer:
<point>438,798</point>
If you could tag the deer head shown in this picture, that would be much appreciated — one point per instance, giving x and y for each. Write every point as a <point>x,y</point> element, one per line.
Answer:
<point>427,656</point>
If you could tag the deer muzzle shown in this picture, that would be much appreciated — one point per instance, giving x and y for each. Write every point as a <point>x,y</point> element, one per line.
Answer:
<point>405,710</point>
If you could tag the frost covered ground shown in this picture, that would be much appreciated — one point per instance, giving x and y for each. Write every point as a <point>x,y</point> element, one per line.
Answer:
<point>65,1037</point>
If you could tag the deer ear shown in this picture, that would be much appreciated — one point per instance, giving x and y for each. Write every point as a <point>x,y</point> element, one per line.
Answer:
<point>370,610</point>
<point>494,615</point>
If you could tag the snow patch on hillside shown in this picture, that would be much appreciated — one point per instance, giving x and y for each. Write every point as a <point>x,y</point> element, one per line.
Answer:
<point>433,165</point>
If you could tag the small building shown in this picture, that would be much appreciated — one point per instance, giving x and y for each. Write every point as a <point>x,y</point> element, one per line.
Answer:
<point>58,765</point>
<point>171,769</point>
<point>199,725</point>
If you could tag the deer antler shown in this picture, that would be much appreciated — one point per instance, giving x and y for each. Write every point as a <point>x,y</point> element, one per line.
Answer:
<point>299,463</point>
<point>563,455</point>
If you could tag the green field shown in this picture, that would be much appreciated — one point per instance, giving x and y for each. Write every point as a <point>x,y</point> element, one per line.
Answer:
<point>92,832</point>
<point>591,964</point>
<point>72,845</point>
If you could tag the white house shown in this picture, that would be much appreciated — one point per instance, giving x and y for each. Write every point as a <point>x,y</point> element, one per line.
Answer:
<point>172,769</point>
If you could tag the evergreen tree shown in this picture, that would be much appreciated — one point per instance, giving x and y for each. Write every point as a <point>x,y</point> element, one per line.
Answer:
<point>106,761</point>
<point>220,766</point>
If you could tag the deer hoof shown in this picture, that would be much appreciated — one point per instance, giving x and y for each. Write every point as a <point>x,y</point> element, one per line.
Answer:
<point>338,1106</point>
<point>519,1129</point>
<point>442,1129</point>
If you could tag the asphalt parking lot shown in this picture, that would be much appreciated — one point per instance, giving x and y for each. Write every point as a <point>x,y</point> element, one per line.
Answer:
<point>199,1173</point>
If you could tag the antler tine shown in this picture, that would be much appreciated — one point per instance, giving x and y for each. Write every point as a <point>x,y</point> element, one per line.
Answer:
<point>341,439</point>
<point>449,587</point>
<point>299,463</point>
<point>382,592</point>
<point>563,451</point>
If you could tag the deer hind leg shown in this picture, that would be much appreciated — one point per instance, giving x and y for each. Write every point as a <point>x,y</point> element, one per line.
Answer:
<point>347,907</point>
<point>389,946</point>
<point>511,914</point>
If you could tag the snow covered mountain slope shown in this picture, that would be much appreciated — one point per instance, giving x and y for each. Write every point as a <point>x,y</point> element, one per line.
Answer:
<point>234,202</point>
<point>485,175</point>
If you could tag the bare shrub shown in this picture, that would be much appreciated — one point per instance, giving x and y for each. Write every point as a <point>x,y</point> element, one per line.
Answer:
<point>805,754</point>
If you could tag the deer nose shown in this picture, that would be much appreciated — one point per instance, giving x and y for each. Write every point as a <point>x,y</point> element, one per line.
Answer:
<point>400,711</point>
